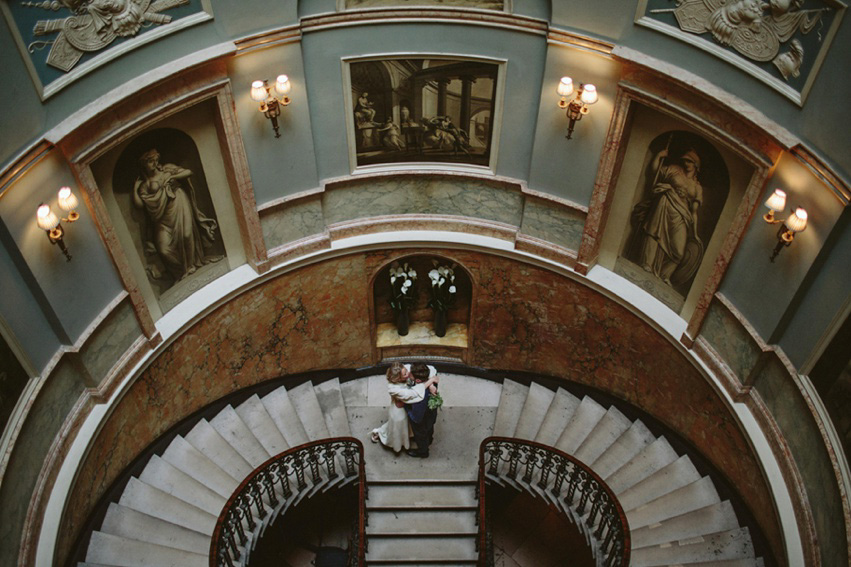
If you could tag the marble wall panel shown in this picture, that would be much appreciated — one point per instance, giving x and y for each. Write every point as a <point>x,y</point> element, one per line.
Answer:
<point>315,317</point>
<point>437,195</point>
<point>292,221</point>
<point>790,410</point>
<point>553,222</point>
<point>110,341</point>
<point>54,402</point>
<point>730,339</point>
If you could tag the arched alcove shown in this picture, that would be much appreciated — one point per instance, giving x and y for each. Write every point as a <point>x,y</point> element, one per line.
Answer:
<point>390,340</point>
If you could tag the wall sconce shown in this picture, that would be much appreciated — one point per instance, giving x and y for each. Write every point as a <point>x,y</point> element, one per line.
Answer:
<point>50,223</point>
<point>796,222</point>
<point>270,105</point>
<point>586,95</point>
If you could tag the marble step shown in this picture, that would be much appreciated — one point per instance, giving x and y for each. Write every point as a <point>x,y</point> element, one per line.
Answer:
<point>625,447</point>
<point>230,426</point>
<point>333,406</point>
<point>309,411</point>
<point>253,413</point>
<point>649,460</point>
<point>123,552</point>
<point>691,497</point>
<point>185,457</point>
<point>610,427</point>
<point>535,407</point>
<point>511,400</point>
<point>422,549</point>
<point>160,474</point>
<point>421,494</point>
<point>154,502</point>
<point>422,521</point>
<point>208,441</point>
<point>132,524</point>
<point>743,562</point>
<point>712,519</point>
<point>561,409</point>
<point>733,544</point>
<point>667,479</point>
<point>582,422</point>
<point>282,412</point>
<point>355,393</point>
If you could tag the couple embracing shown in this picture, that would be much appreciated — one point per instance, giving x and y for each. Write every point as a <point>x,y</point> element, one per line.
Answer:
<point>410,387</point>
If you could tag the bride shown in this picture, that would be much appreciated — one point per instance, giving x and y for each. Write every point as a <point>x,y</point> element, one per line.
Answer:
<point>396,433</point>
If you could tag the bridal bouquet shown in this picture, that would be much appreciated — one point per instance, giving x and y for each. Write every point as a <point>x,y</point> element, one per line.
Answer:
<point>435,401</point>
<point>403,295</point>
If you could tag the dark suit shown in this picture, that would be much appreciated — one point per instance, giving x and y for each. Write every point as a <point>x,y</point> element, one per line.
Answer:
<point>422,423</point>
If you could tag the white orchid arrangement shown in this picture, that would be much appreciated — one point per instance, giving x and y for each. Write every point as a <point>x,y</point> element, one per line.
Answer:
<point>443,290</point>
<point>403,294</point>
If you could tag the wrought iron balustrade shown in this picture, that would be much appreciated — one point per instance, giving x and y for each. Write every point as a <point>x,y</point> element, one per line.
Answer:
<point>565,481</point>
<point>281,481</point>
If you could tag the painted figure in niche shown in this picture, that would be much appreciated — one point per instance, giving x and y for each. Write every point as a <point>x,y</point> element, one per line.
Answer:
<point>93,25</point>
<point>667,221</point>
<point>364,112</point>
<point>754,28</point>
<point>392,136</point>
<point>178,232</point>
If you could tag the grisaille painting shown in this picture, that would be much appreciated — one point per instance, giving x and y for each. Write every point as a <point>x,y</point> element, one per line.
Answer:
<point>160,188</point>
<point>781,42</point>
<point>674,211</point>
<point>422,110</point>
<point>481,4</point>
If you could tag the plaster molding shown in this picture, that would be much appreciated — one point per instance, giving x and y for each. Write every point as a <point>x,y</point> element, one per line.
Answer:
<point>486,177</point>
<point>838,185</point>
<point>457,16</point>
<point>546,249</point>
<point>564,38</point>
<point>452,223</point>
<point>554,199</point>
<point>22,163</point>
<point>270,38</point>
<point>707,353</point>
<point>292,250</point>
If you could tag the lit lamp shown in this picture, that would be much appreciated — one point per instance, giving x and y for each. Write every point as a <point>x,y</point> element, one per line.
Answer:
<point>795,223</point>
<point>50,223</point>
<point>586,95</point>
<point>270,105</point>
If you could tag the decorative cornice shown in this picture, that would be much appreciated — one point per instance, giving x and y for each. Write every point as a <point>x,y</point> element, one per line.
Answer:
<point>271,38</point>
<point>565,38</point>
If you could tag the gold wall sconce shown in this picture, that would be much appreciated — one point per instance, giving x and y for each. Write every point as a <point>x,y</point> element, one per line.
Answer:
<point>270,105</point>
<point>50,223</point>
<point>793,224</point>
<point>586,95</point>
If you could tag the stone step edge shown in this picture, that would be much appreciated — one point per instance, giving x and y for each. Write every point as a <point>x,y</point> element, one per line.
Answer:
<point>409,508</point>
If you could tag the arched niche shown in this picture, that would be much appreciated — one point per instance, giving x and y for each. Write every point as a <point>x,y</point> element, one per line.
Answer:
<point>421,337</point>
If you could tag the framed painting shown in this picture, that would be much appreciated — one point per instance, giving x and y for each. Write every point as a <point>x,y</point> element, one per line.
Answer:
<point>781,42</point>
<point>500,5</point>
<point>418,109</point>
<point>62,40</point>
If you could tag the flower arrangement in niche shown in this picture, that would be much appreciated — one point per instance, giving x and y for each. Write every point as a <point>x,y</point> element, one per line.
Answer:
<point>403,294</point>
<point>443,294</point>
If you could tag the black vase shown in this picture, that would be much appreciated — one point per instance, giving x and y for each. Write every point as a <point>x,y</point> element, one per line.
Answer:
<point>402,322</point>
<point>440,323</point>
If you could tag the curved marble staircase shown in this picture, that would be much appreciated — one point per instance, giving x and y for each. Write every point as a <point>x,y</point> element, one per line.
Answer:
<point>421,511</point>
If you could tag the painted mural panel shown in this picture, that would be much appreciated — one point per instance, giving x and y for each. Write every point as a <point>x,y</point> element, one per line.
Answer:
<point>781,42</point>
<point>422,110</point>
<point>62,39</point>
<point>161,190</point>
<point>481,4</point>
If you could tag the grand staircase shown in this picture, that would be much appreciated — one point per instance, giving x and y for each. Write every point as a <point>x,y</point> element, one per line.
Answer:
<point>421,511</point>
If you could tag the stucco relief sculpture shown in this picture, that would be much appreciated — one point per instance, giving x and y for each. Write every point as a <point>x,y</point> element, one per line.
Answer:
<point>178,233</point>
<point>753,28</point>
<point>93,25</point>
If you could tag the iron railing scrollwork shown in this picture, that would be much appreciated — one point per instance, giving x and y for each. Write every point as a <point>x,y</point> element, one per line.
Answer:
<point>285,479</point>
<point>567,482</point>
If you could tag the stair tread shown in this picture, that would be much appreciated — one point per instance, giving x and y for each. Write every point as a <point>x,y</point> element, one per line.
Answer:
<point>435,548</point>
<point>561,409</point>
<point>160,474</point>
<point>333,406</point>
<point>418,520</point>
<point>649,460</point>
<point>282,412</point>
<point>132,524</point>
<point>732,544</point>
<point>581,423</point>
<point>154,502</point>
<point>710,519</point>
<point>125,552</point>
<point>610,427</point>
<point>511,400</point>
<point>538,400</point>
<point>207,440</point>
<point>253,413</point>
<point>691,497</point>
<point>181,454</point>
<point>421,496</point>
<point>309,411</point>
<point>625,447</point>
<point>667,479</point>
<point>233,430</point>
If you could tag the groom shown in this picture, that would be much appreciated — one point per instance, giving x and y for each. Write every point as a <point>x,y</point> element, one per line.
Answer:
<point>422,418</point>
